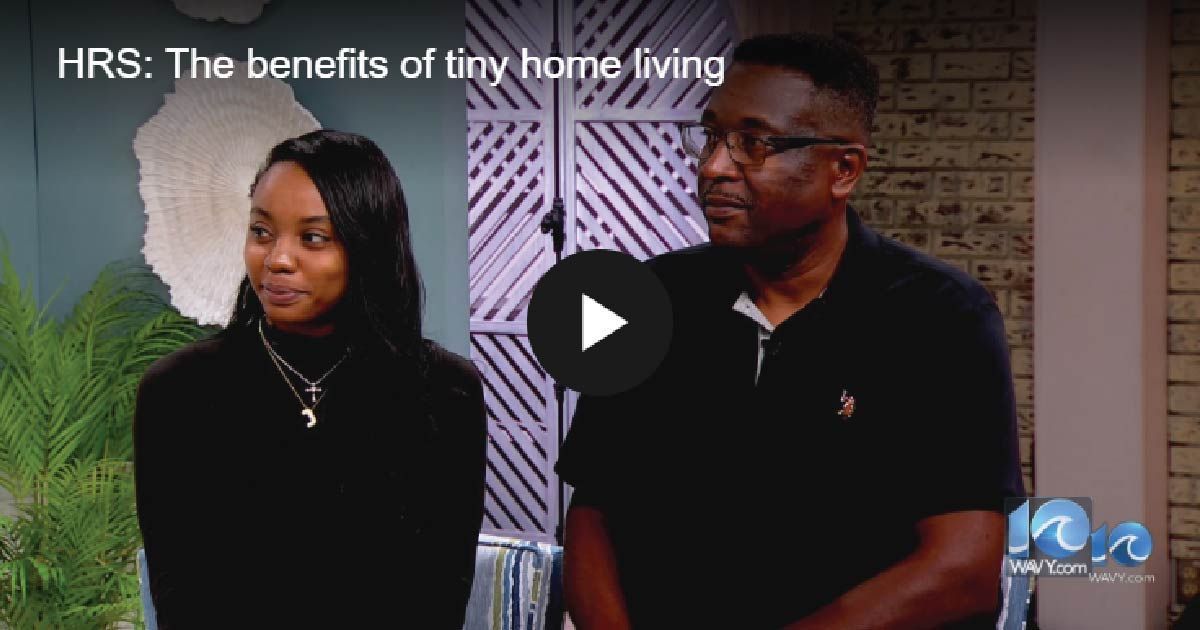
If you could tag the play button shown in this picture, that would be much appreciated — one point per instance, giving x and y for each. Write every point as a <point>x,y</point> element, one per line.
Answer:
<point>599,322</point>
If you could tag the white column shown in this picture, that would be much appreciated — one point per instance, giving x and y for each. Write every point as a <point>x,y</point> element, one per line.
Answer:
<point>1100,326</point>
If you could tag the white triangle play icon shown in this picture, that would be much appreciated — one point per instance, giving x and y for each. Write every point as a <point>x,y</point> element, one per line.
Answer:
<point>598,322</point>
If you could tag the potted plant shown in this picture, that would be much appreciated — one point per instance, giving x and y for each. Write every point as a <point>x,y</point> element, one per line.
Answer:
<point>69,538</point>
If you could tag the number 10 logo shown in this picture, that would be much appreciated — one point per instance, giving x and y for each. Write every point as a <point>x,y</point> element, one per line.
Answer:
<point>1060,530</point>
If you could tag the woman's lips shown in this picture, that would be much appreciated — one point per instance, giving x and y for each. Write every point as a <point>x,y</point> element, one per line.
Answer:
<point>281,296</point>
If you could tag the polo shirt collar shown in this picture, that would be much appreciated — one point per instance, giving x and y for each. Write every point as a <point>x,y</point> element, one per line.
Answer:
<point>746,306</point>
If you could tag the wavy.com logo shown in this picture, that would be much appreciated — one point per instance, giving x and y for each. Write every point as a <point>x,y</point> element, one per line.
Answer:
<point>1053,537</point>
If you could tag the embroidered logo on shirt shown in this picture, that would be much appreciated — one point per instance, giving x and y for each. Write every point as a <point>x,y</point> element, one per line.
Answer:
<point>847,409</point>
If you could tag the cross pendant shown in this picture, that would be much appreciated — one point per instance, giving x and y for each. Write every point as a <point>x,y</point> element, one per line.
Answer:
<point>313,390</point>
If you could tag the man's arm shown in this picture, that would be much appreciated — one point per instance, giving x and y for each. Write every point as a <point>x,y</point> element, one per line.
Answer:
<point>953,574</point>
<point>593,591</point>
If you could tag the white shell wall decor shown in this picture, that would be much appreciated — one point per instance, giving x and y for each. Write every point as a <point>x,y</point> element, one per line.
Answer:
<point>235,11</point>
<point>197,157</point>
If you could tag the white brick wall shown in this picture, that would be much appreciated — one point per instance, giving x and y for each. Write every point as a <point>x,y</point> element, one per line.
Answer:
<point>952,168</point>
<point>1183,312</point>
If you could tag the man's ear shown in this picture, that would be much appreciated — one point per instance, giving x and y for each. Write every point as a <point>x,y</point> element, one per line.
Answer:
<point>849,167</point>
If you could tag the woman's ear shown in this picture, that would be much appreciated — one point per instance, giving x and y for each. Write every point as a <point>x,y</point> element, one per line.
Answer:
<point>849,167</point>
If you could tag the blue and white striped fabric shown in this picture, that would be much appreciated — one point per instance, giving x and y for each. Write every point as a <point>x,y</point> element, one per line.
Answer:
<point>517,586</point>
<point>144,585</point>
<point>1015,606</point>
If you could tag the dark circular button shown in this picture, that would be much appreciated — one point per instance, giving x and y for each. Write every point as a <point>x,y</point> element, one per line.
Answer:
<point>599,322</point>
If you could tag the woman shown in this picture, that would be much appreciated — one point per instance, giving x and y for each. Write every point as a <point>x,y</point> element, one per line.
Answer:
<point>316,464</point>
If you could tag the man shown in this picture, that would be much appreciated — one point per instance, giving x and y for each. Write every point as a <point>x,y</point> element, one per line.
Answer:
<point>830,439</point>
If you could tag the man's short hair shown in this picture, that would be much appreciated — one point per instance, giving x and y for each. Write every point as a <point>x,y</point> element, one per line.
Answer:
<point>832,64</point>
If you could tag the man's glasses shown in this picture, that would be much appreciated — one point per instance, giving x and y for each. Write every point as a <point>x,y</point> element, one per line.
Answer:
<point>699,141</point>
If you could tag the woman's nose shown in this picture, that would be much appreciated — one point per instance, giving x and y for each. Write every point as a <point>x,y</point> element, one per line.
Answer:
<point>280,259</point>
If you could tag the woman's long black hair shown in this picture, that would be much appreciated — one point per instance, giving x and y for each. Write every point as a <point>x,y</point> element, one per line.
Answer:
<point>381,309</point>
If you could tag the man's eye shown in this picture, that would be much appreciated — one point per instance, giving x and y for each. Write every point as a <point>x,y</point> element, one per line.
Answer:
<point>258,231</point>
<point>752,142</point>
<point>754,145</point>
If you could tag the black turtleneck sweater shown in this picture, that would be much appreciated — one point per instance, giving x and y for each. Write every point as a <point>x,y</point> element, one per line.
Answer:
<point>250,519</point>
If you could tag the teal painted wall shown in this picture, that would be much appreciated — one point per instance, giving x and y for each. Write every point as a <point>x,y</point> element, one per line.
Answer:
<point>88,211</point>
<point>18,158</point>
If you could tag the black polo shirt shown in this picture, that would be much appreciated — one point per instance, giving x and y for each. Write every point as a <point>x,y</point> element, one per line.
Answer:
<point>736,504</point>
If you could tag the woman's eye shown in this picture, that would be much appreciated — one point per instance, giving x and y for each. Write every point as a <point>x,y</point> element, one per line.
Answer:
<point>258,231</point>
<point>316,237</point>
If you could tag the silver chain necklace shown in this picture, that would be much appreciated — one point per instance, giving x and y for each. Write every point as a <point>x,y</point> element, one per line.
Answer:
<point>313,386</point>
<point>308,411</point>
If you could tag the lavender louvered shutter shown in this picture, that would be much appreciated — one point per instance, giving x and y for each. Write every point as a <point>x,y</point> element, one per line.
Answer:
<point>628,187</point>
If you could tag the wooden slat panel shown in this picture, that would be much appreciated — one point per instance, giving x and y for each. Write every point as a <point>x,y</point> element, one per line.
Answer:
<point>501,28</point>
<point>506,195</point>
<point>617,28</point>
<point>633,189</point>
<point>519,476</point>
<point>629,188</point>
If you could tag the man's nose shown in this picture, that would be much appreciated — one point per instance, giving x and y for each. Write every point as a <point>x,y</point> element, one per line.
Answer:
<point>719,164</point>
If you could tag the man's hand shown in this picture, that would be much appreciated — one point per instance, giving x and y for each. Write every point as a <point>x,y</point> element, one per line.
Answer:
<point>953,574</point>
<point>593,591</point>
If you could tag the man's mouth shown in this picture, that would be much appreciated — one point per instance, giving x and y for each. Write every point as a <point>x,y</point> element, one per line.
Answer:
<point>717,207</point>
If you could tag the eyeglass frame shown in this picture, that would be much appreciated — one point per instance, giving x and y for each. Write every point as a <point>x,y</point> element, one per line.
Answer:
<point>777,144</point>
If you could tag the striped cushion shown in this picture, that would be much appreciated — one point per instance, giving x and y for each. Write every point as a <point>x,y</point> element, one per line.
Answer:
<point>1017,589</point>
<point>514,580</point>
<point>144,587</point>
